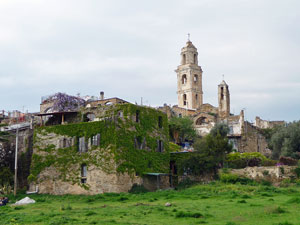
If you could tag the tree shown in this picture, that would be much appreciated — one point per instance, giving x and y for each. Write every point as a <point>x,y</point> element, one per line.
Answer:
<point>182,129</point>
<point>210,152</point>
<point>286,141</point>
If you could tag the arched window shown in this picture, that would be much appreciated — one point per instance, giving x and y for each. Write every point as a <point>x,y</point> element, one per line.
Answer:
<point>183,59</point>
<point>196,96</point>
<point>184,79</point>
<point>195,58</point>
<point>195,78</point>
<point>201,120</point>
<point>184,99</point>
<point>222,93</point>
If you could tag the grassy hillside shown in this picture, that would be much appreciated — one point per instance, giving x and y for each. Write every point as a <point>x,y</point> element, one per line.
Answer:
<point>215,204</point>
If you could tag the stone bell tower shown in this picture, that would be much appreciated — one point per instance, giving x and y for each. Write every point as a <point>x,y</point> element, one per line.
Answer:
<point>189,78</point>
<point>224,100</point>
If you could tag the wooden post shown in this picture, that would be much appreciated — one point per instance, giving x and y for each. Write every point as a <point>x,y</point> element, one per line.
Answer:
<point>62,118</point>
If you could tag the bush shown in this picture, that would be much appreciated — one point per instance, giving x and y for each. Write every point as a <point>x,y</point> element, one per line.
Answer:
<point>233,178</point>
<point>297,172</point>
<point>137,189</point>
<point>288,161</point>
<point>182,214</point>
<point>241,160</point>
<point>187,182</point>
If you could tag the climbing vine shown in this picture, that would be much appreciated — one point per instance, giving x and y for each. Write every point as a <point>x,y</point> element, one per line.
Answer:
<point>118,150</point>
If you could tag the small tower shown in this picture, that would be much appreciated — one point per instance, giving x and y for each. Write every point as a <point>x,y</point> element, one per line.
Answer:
<point>224,100</point>
<point>189,78</point>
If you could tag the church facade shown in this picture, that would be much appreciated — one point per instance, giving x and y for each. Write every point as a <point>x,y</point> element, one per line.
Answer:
<point>244,136</point>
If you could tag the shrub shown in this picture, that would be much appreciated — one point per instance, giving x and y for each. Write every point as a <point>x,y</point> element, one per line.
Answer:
<point>288,161</point>
<point>241,160</point>
<point>137,189</point>
<point>187,182</point>
<point>281,170</point>
<point>233,178</point>
<point>297,172</point>
<point>182,214</point>
<point>265,172</point>
<point>279,210</point>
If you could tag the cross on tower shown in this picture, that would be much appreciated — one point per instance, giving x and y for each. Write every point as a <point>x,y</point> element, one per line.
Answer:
<point>188,36</point>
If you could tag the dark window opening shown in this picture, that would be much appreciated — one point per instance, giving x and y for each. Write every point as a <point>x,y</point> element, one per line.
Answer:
<point>195,58</point>
<point>183,59</point>
<point>137,116</point>
<point>139,142</point>
<point>180,115</point>
<point>120,114</point>
<point>160,121</point>
<point>160,146</point>
<point>196,96</point>
<point>184,99</point>
<point>222,93</point>
<point>201,120</point>
<point>83,173</point>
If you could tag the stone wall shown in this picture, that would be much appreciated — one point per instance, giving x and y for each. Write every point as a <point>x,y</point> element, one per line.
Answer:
<point>272,173</point>
<point>97,181</point>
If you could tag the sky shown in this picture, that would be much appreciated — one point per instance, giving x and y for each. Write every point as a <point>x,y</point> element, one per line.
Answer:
<point>130,49</point>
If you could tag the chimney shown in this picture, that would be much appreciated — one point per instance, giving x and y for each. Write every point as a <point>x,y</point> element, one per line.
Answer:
<point>101,95</point>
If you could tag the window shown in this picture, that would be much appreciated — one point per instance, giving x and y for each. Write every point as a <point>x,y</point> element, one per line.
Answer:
<point>195,58</point>
<point>82,145</point>
<point>180,115</point>
<point>160,146</point>
<point>139,142</point>
<point>137,116</point>
<point>90,117</point>
<point>184,79</point>
<point>120,114</point>
<point>83,173</point>
<point>183,59</point>
<point>160,121</point>
<point>222,93</point>
<point>196,96</point>
<point>96,140</point>
<point>184,99</point>
<point>195,78</point>
<point>201,120</point>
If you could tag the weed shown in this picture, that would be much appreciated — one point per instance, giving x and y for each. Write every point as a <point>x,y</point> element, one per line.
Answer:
<point>294,200</point>
<point>242,201</point>
<point>19,208</point>
<point>279,210</point>
<point>121,199</point>
<point>182,214</point>
<point>283,223</point>
<point>90,213</point>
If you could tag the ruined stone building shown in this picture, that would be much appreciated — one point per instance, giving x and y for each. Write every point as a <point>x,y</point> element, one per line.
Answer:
<point>244,136</point>
<point>106,145</point>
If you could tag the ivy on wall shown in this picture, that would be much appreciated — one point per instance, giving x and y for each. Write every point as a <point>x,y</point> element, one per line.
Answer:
<point>117,152</point>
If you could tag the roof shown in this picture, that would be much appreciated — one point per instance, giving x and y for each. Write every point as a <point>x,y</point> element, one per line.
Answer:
<point>56,113</point>
<point>157,174</point>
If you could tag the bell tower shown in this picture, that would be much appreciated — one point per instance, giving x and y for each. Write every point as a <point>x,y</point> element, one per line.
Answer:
<point>224,100</point>
<point>189,78</point>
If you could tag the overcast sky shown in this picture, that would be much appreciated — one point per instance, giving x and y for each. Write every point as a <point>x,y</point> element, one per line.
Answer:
<point>130,49</point>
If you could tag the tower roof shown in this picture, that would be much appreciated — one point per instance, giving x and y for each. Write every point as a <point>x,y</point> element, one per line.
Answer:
<point>223,83</point>
<point>189,44</point>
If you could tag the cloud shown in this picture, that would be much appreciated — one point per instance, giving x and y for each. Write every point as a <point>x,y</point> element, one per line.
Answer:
<point>130,49</point>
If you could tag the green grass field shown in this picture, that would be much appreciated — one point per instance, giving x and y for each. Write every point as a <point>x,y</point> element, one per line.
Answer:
<point>217,203</point>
